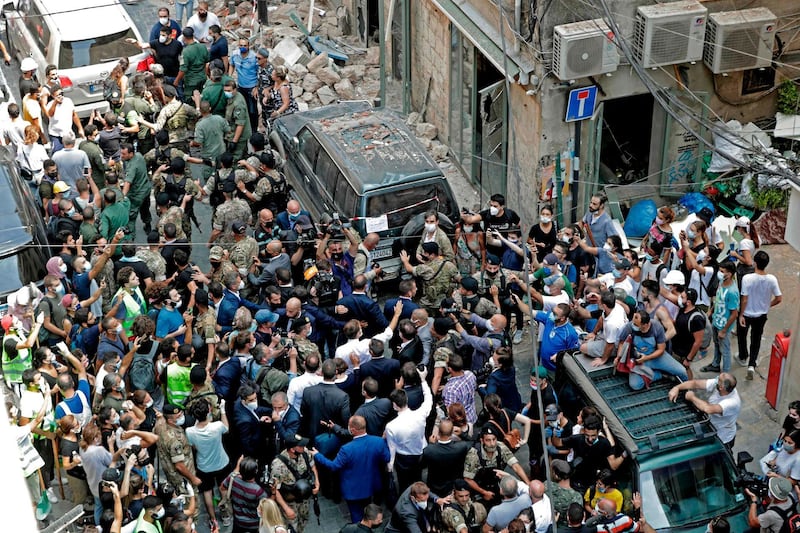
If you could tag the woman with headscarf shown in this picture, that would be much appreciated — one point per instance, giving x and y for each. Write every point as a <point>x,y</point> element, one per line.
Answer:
<point>58,268</point>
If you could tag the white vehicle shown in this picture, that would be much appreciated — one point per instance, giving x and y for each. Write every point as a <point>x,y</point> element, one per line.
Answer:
<point>83,38</point>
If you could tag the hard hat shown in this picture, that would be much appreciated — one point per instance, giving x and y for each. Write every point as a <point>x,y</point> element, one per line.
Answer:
<point>28,64</point>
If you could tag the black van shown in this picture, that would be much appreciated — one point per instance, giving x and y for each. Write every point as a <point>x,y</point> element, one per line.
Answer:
<point>366,165</point>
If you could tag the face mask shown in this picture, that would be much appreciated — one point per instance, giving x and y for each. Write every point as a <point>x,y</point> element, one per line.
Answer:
<point>648,257</point>
<point>162,39</point>
<point>337,256</point>
<point>430,228</point>
<point>177,303</point>
<point>267,225</point>
<point>63,267</point>
<point>690,234</point>
<point>788,447</point>
<point>634,327</point>
<point>421,505</point>
<point>52,174</point>
<point>565,239</point>
<point>309,332</point>
<point>494,211</point>
<point>701,256</point>
<point>202,16</point>
<point>60,289</point>
<point>681,303</point>
<point>552,316</point>
<point>118,329</point>
<point>720,276</point>
<point>659,221</point>
<point>243,50</point>
<point>616,273</point>
<point>163,21</point>
<point>601,490</point>
<point>592,442</point>
<point>294,218</point>
<point>228,94</point>
<point>607,247</point>
<point>547,289</point>
<point>71,212</point>
<point>115,420</point>
<point>492,274</point>
<point>158,515</point>
<point>241,285</point>
<point>87,266</point>
<point>120,388</point>
<point>545,220</point>
<point>468,229</point>
<point>534,385</point>
<point>180,420</point>
<point>252,405</point>
<point>149,404</point>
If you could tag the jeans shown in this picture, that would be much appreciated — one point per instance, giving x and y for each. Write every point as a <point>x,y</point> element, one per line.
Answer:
<point>665,364</point>
<point>252,106</point>
<point>722,350</point>
<point>56,144</point>
<point>757,323</point>
<point>187,7</point>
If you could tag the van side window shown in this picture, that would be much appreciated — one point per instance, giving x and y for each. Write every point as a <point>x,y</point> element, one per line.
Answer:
<point>345,197</point>
<point>326,171</point>
<point>309,147</point>
<point>35,23</point>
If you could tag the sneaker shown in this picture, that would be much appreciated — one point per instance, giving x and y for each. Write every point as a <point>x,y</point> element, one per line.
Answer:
<point>227,521</point>
<point>750,372</point>
<point>710,368</point>
<point>517,337</point>
<point>51,495</point>
<point>742,362</point>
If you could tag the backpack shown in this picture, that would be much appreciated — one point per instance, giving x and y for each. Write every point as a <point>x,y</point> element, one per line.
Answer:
<point>217,198</point>
<point>713,283</point>
<point>511,438</point>
<point>791,518</point>
<point>708,332</point>
<point>110,86</point>
<point>51,229</point>
<point>269,381</point>
<point>280,191</point>
<point>142,373</point>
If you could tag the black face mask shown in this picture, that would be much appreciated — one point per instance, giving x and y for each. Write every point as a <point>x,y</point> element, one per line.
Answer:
<point>492,274</point>
<point>267,225</point>
<point>52,174</point>
<point>337,256</point>
<point>215,264</point>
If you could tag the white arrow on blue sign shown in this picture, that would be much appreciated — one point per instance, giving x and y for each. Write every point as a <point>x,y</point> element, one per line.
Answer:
<point>580,104</point>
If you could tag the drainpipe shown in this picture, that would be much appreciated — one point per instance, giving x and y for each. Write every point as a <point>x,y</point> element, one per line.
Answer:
<point>382,24</point>
<point>517,24</point>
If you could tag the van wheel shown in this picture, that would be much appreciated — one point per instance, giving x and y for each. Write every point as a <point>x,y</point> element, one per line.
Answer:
<point>412,233</point>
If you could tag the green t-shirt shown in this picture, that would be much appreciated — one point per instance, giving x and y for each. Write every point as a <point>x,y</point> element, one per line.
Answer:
<point>136,175</point>
<point>236,115</point>
<point>210,133</point>
<point>195,57</point>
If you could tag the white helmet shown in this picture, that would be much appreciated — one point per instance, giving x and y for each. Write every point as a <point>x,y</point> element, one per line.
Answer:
<point>674,277</point>
<point>28,64</point>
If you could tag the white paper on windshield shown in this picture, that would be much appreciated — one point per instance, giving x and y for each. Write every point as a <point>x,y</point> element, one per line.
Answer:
<point>376,224</point>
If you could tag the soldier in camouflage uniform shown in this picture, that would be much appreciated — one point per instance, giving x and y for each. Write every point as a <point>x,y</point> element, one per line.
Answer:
<point>106,274</point>
<point>561,493</point>
<point>292,462</point>
<point>225,173</point>
<point>445,341</point>
<point>438,276</point>
<point>467,297</point>
<point>483,460</point>
<point>151,255</point>
<point>174,449</point>
<point>169,213</point>
<point>266,187</point>
<point>301,328</point>
<point>242,248</point>
<point>257,146</point>
<point>164,153</point>
<point>204,327</point>
<point>177,118</point>
<point>221,266</point>
<point>231,210</point>
<point>462,512</point>
<point>174,181</point>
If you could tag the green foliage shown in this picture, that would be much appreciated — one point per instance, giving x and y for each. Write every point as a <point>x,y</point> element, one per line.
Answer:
<point>788,98</point>
<point>768,198</point>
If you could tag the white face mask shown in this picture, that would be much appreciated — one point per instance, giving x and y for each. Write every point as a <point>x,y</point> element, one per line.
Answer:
<point>149,404</point>
<point>241,285</point>
<point>63,267</point>
<point>468,229</point>
<point>607,247</point>
<point>159,514</point>
<point>494,211</point>
<point>545,220</point>
<point>163,20</point>
<point>547,289</point>
<point>701,255</point>
<point>252,405</point>
<point>162,39</point>
<point>87,266</point>
<point>430,228</point>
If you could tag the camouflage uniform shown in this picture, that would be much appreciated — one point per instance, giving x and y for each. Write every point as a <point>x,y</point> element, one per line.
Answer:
<point>225,268</point>
<point>242,252</point>
<point>154,261</point>
<point>174,215</point>
<point>561,499</point>
<point>444,348</point>
<point>438,281</point>
<point>178,119</point>
<point>205,327</point>
<point>454,520</point>
<point>227,214</point>
<point>281,475</point>
<point>191,186</point>
<point>207,393</point>
<point>483,474</point>
<point>240,174</point>
<point>107,274</point>
<point>485,281</point>
<point>174,448</point>
<point>484,308</point>
<point>305,348</point>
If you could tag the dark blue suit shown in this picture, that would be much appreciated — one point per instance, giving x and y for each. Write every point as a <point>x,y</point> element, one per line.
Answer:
<point>384,371</point>
<point>227,378</point>
<point>250,432</point>
<point>503,382</point>
<point>361,463</point>
<point>287,428</point>
<point>227,309</point>
<point>362,307</point>
<point>376,413</point>
<point>282,220</point>
<point>408,307</point>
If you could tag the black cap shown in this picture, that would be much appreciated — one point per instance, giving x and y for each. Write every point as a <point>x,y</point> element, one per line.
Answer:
<point>469,283</point>
<point>489,429</point>
<point>492,259</point>
<point>299,323</point>
<point>267,159</point>
<point>229,186</point>
<point>430,248</point>
<point>169,91</point>
<point>170,409</point>
<point>297,440</point>
<point>706,214</point>
<point>162,199</point>
<point>153,237</point>
<point>177,164</point>
<point>442,325</point>
<point>239,227</point>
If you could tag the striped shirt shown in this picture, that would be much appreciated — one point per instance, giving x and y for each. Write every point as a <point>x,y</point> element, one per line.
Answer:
<point>245,496</point>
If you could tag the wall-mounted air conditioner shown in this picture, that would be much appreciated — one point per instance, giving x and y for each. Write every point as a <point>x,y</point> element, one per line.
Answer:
<point>739,40</point>
<point>670,33</point>
<point>583,49</point>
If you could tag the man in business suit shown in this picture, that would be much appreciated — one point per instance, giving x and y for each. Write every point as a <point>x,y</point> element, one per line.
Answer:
<point>231,301</point>
<point>250,425</point>
<point>407,346</point>
<point>424,324</point>
<point>324,406</point>
<point>289,314</point>
<point>407,289</point>
<point>384,370</point>
<point>444,459</point>
<point>361,307</point>
<point>361,464</point>
<point>376,411</point>
<point>285,420</point>
<point>229,372</point>
<point>414,510</point>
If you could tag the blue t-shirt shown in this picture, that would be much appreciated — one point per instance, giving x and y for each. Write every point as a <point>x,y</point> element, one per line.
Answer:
<point>169,321</point>
<point>75,404</point>
<point>727,300</point>
<point>645,343</point>
<point>555,339</point>
<point>218,49</point>
<point>81,284</point>
<point>246,69</point>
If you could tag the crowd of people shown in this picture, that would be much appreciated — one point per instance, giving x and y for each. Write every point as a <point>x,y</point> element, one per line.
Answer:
<point>249,389</point>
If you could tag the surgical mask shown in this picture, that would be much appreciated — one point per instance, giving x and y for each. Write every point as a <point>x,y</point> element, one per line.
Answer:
<point>162,39</point>
<point>149,404</point>
<point>634,327</point>
<point>87,266</point>
<point>720,276</point>
<point>60,289</point>
<point>163,21</point>
<point>681,303</point>
<point>243,50</point>
<point>158,515</point>
<point>180,420</point>
<point>228,94</point>
<point>490,326</point>
<point>115,420</point>
<point>701,255</point>
<point>592,442</point>
<point>177,303</point>
<point>565,239</point>
<point>252,405</point>
<point>468,229</point>
<point>63,267</point>
<point>659,221</point>
<point>545,220</point>
<point>421,505</point>
<point>648,257</point>
<point>309,332</point>
<point>690,234</point>
<point>547,289</point>
<point>789,448</point>
<point>118,329</point>
<point>241,285</point>
<point>71,212</point>
<point>552,316</point>
<point>494,211</point>
<point>430,228</point>
<point>601,489</point>
<point>616,273</point>
<point>607,247</point>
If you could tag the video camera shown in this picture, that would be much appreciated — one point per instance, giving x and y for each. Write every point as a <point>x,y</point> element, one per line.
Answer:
<point>333,225</point>
<point>748,480</point>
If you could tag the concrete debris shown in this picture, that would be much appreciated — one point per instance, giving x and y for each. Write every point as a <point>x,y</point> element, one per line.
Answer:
<point>318,62</point>
<point>427,130</point>
<point>345,89</point>
<point>328,76</point>
<point>413,118</point>
<point>311,83</point>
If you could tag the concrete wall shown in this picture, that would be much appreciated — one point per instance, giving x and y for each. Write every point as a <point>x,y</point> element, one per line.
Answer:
<point>430,60</point>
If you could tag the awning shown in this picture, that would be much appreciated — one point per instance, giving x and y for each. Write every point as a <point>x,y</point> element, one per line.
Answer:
<point>486,39</point>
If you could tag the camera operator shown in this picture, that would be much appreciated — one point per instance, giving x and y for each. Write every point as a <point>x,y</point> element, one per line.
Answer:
<point>332,248</point>
<point>300,243</point>
<point>484,345</point>
<point>324,288</point>
<point>781,505</point>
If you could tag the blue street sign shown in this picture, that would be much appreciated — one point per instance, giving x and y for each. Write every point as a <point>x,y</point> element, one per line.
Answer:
<point>580,104</point>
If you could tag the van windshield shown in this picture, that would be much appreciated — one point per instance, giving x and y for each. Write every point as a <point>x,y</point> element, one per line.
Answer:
<point>23,267</point>
<point>690,492</point>
<point>104,49</point>
<point>400,206</point>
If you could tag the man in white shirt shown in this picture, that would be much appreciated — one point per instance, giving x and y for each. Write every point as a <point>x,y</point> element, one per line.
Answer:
<point>600,346</point>
<point>618,277</point>
<point>760,292</point>
<point>723,405</point>
<point>300,383</point>
<point>35,395</point>
<point>360,346</point>
<point>405,435</point>
<point>61,116</point>
<point>201,21</point>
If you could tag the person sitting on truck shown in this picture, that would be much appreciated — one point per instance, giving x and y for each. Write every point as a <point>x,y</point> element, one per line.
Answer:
<point>609,519</point>
<point>723,404</point>
<point>649,345</point>
<point>600,343</point>
<point>594,451</point>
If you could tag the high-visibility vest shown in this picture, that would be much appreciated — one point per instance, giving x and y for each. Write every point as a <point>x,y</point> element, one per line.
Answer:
<point>13,368</point>
<point>133,308</point>
<point>178,384</point>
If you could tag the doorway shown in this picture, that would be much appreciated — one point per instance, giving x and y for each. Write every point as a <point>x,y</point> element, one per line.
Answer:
<point>368,22</point>
<point>625,139</point>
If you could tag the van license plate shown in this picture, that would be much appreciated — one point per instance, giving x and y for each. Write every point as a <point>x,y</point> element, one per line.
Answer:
<point>94,88</point>
<point>382,253</point>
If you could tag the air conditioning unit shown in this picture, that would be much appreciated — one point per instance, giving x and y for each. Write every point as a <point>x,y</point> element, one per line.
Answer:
<point>666,34</point>
<point>739,40</point>
<point>583,49</point>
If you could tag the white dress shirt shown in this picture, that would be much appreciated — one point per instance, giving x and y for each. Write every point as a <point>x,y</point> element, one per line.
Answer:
<point>361,348</point>
<point>406,433</point>
<point>297,385</point>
